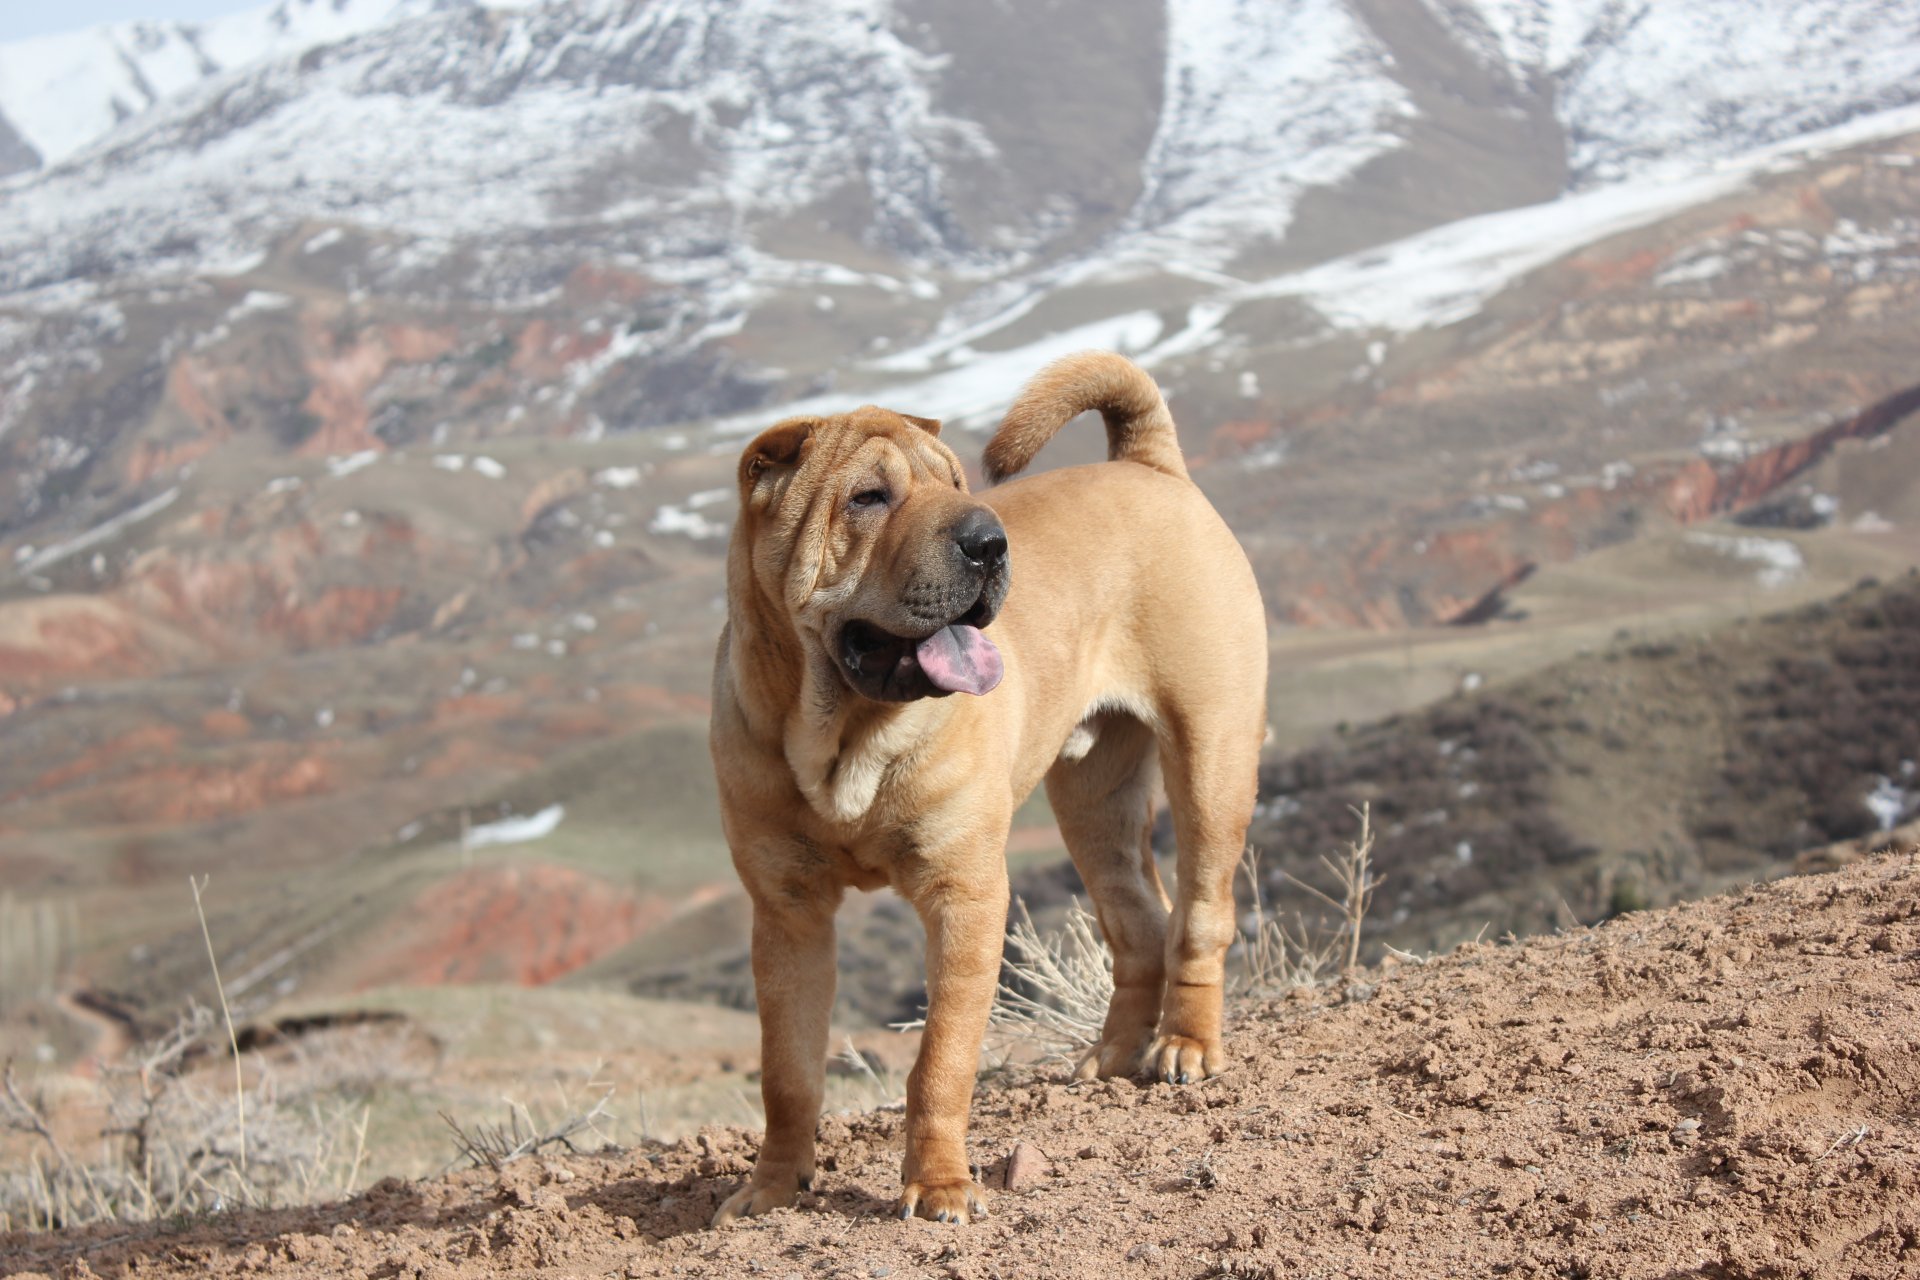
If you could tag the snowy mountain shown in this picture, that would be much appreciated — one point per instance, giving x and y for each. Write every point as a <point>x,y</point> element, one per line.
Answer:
<point>823,197</point>
<point>693,119</point>
<point>1638,85</point>
<point>60,92</point>
<point>681,121</point>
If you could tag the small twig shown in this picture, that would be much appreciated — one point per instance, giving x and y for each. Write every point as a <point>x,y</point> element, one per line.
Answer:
<point>852,1056</point>
<point>497,1146</point>
<point>359,1150</point>
<point>1844,1140</point>
<point>1354,874</point>
<point>233,1040</point>
<point>24,1116</point>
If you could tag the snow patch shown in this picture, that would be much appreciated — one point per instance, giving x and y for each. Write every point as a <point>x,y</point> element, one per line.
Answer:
<point>346,464</point>
<point>978,389</point>
<point>1780,561</point>
<point>517,830</point>
<point>325,240</point>
<point>1705,267</point>
<point>47,557</point>
<point>687,520</point>
<point>618,477</point>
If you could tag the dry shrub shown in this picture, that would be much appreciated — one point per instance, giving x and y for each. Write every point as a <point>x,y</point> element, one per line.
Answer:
<point>173,1139</point>
<point>494,1146</point>
<point>168,1142</point>
<point>1055,986</point>
<point>878,1085</point>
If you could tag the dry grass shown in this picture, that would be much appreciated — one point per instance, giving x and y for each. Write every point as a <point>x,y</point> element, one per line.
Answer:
<point>36,942</point>
<point>1278,958</point>
<point>876,1085</point>
<point>495,1146</point>
<point>1272,956</point>
<point>167,1142</point>
<point>1056,985</point>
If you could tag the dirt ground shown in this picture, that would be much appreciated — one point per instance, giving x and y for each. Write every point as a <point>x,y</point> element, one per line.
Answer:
<point>1729,1088</point>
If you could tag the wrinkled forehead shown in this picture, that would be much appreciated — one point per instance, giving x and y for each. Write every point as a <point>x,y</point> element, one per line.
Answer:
<point>872,437</point>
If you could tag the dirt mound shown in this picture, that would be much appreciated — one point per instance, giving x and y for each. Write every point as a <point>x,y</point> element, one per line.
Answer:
<point>1724,1089</point>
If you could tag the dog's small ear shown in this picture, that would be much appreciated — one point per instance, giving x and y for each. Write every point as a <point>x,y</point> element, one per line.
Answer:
<point>779,447</point>
<point>929,425</point>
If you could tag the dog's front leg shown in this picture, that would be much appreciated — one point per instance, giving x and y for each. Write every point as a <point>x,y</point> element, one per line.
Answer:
<point>965,913</point>
<point>793,980</point>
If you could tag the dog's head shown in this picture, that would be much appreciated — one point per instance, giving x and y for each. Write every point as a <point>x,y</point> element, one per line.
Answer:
<point>860,526</point>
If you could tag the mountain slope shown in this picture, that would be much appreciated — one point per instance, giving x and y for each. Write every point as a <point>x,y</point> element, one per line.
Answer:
<point>697,120</point>
<point>59,93</point>
<point>1637,86</point>
<point>1649,773</point>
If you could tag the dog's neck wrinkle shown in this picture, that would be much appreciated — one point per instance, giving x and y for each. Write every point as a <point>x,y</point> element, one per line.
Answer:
<point>764,653</point>
<point>842,748</point>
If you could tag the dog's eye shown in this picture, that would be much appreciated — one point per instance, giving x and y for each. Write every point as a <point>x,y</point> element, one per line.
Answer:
<point>868,498</point>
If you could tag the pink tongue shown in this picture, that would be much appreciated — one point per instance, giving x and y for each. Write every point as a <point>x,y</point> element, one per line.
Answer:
<point>960,659</point>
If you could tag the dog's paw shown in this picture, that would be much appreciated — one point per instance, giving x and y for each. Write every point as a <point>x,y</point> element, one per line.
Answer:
<point>1182,1060</point>
<point>751,1201</point>
<point>1105,1061</point>
<point>959,1200</point>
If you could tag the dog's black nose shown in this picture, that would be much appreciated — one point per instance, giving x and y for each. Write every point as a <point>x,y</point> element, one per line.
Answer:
<point>981,538</point>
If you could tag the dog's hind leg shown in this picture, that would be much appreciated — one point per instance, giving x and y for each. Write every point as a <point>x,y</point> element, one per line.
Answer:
<point>1211,759</point>
<point>1103,801</point>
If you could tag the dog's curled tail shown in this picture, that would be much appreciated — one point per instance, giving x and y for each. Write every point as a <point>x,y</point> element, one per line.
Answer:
<point>1139,428</point>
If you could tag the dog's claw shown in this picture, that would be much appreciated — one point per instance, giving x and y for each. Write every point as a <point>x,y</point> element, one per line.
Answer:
<point>904,1212</point>
<point>959,1201</point>
<point>750,1202</point>
<point>1180,1060</point>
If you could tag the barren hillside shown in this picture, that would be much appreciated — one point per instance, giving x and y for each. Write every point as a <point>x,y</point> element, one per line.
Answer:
<point>1725,1089</point>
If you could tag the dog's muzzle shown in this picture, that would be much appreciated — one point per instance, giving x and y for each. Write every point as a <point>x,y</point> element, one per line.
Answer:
<point>945,650</point>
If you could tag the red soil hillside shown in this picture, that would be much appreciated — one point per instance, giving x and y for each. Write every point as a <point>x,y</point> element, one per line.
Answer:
<point>1724,1089</point>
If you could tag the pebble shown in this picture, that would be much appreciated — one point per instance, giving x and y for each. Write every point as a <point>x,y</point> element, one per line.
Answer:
<point>1026,1167</point>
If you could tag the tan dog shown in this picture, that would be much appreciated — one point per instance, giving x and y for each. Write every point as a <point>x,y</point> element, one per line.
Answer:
<point>1107,620</point>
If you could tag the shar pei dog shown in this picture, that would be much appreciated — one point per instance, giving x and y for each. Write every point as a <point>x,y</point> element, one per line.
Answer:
<point>1106,634</point>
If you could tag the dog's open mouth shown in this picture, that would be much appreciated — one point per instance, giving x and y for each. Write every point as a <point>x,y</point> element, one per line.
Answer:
<point>958,658</point>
